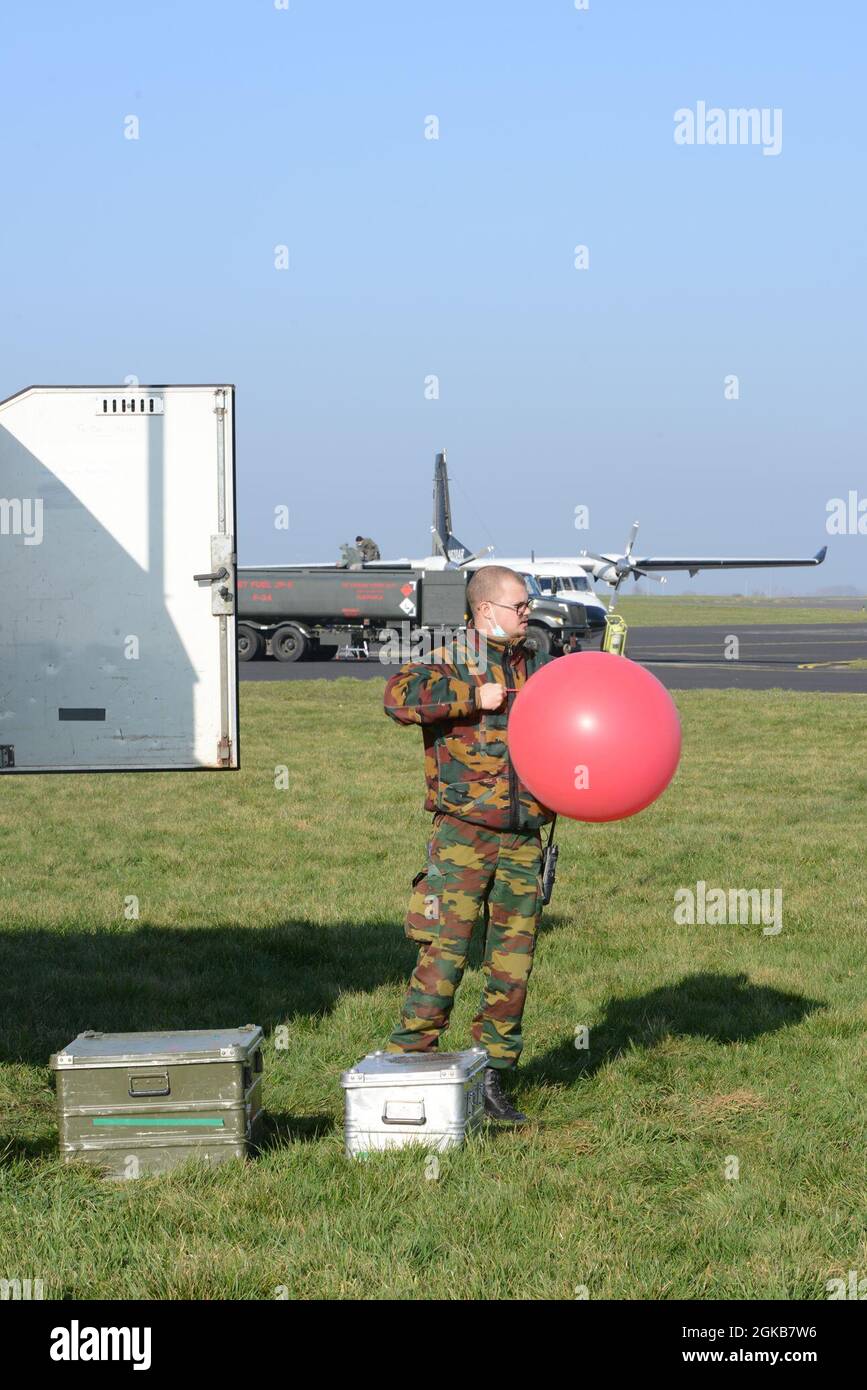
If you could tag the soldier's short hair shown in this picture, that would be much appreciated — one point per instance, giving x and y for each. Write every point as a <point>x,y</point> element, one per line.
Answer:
<point>487,583</point>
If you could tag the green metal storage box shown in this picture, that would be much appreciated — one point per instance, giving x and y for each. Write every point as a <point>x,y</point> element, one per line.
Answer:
<point>141,1103</point>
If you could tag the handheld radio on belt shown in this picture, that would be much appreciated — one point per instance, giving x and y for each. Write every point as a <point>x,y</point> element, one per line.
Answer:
<point>549,866</point>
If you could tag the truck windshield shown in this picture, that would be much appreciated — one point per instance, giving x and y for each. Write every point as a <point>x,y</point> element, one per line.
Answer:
<point>558,584</point>
<point>549,585</point>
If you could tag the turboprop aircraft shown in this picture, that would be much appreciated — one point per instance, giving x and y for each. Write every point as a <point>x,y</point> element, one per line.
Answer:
<point>569,577</point>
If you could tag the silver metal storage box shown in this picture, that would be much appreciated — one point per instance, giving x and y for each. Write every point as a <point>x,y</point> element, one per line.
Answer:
<point>399,1098</point>
<point>141,1103</point>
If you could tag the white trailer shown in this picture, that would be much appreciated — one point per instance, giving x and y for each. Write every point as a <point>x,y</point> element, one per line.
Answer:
<point>117,579</point>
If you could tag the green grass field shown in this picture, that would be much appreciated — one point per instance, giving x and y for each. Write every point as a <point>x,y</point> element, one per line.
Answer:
<point>689,610</point>
<point>710,1046</point>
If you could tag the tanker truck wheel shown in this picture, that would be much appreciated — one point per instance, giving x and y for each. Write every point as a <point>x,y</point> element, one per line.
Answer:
<point>250,643</point>
<point>539,638</point>
<point>288,643</point>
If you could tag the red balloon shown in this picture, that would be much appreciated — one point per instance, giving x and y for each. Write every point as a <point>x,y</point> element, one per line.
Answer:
<point>594,736</point>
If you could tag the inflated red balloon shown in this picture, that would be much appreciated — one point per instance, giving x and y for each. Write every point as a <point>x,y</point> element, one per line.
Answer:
<point>594,736</point>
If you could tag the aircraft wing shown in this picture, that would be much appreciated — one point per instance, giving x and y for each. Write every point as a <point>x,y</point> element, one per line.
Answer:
<point>653,563</point>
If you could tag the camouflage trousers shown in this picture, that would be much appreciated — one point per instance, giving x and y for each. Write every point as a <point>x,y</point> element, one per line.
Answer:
<point>472,872</point>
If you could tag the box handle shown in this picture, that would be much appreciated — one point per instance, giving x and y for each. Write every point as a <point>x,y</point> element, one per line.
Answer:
<point>403,1112</point>
<point>153,1084</point>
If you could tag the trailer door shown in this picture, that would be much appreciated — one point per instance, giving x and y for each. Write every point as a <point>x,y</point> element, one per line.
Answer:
<point>117,579</point>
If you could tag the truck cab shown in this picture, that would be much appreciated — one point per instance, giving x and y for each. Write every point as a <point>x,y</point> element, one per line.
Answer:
<point>573,588</point>
<point>554,625</point>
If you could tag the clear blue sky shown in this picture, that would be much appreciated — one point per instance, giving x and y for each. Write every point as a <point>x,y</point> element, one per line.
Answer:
<point>454,257</point>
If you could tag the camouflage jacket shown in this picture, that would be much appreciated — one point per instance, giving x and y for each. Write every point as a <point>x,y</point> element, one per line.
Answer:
<point>466,754</point>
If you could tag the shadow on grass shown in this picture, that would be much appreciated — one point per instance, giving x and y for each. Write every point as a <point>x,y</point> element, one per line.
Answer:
<point>280,1129</point>
<point>14,1146</point>
<point>722,1008</point>
<point>54,984</point>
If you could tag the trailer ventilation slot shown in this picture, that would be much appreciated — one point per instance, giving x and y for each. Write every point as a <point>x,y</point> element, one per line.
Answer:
<point>130,405</point>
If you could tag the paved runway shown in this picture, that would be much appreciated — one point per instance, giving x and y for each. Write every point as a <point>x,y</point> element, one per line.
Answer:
<point>787,657</point>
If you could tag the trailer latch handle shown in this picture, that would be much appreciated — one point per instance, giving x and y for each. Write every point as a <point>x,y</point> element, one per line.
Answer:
<point>221,573</point>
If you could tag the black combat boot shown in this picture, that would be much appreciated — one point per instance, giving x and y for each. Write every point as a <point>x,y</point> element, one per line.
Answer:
<point>497,1103</point>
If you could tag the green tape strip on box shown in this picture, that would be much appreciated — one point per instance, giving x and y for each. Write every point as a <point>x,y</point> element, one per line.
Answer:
<point>152,1123</point>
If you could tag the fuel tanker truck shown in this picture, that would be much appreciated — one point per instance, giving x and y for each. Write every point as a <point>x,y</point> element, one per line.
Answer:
<point>292,611</point>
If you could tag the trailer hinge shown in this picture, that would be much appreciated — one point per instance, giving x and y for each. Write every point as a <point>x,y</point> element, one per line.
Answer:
<point>224,751</point>
<point>7,754</point>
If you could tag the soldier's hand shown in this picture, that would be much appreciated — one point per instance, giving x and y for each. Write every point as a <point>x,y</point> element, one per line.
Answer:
<point>491,695</point>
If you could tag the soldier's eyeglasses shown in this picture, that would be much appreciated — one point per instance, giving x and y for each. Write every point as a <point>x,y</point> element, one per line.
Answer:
<point>519,608</point>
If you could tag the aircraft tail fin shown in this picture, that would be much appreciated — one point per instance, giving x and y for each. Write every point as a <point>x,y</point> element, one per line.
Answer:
<point>446,542</point>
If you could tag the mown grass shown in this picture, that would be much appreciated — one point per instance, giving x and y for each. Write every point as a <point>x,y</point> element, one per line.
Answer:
<point>708,1044</point>
<point>690,610</point>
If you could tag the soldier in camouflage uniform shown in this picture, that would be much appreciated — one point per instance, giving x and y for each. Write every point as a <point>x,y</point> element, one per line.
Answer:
<point>369,549</point>
<point>485,851</point>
